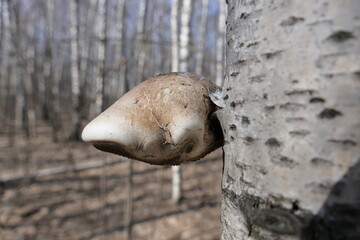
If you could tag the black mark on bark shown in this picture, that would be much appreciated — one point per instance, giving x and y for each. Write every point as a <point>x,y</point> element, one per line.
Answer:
<point>341,36</point>
<point>248,140</point>
<point>241,62</point>
<point>273,142</point>
<point>329,113</point>
<point>234,74</point>
<point>271,55</point>
<point>300,92</point>
<point>299,133</point>
<point>241,45</point>
<point>234,104</point>
<point>284,161</point>
<point>345,142</point>
<point>320,162</point>
<point>292,106</point>
<point>252,44</point>
<point>256,79</point>
<point>294,119</point>
<point>244,15</point>
<point>232,127</point>
<point>245,122</point>
<point>269,108</point>
<point>316,100</point>
<point>291,21</point>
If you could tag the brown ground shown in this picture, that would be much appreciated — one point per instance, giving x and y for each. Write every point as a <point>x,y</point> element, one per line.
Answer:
<point>90,204</point>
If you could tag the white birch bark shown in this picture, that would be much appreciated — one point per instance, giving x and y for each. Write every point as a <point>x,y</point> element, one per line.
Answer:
<point>174,37</point>
<point>291,121</point>
<point>183,67</point>
<point>202,34</point>
<point>184,35</point>
<point>176,190</point>
<point>220,46</point>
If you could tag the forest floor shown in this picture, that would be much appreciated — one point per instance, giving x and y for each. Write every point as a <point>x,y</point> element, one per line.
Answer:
<point>90,204</point>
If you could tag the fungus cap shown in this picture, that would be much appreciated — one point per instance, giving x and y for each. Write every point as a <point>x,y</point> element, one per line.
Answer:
<point>165,120</point>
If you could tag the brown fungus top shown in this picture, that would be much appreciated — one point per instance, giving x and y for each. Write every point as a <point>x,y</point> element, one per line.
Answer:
<point>166,120</point>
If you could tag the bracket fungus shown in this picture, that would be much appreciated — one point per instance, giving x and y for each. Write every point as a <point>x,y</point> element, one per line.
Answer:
<point>165,120</point>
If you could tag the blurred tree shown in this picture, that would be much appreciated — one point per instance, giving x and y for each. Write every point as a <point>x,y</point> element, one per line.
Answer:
<point>183,49</point>
<point>220,40</point>
<point>101,36</point>
<point>75,85</point>
<point>202,33</point>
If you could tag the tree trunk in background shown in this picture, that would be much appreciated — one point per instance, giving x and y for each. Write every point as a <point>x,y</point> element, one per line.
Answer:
<point>51,73</point>
<point>101,48</point>
<point>176,171</point>
<point>202,33</point>
<point>220,40</point>
<point>140,57</point>
<point>27,73</point>
<point>86,65</point>
<point>184,35</point>
<point>174,37</point>
<point>129,202</point>
<point>4,64</point>
<point>291,122</point>
<point>176,192</point>
<point>75,85</point>
<point>119,65</point>
<point>139,46</point>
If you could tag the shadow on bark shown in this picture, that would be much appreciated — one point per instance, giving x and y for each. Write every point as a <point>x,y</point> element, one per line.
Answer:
<point>339,216</point>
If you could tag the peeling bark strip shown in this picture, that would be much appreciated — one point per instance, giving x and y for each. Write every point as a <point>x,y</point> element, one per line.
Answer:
<point>165,120</point>
<point>291,166</point>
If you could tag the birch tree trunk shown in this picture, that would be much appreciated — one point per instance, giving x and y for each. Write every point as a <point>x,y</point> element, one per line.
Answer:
<point>176,171</point>
<point>140,49</point>
<point>27,73</point>
<point>75,85</point>
<point>176,192</point>
<point>174,37</point>
<point>202,33</point>
<point>140,57</point>
<point>101,48</point>
<point>184,35</point>
<point>119,66</point>
<point>291,121</point>
<point>5,52</point>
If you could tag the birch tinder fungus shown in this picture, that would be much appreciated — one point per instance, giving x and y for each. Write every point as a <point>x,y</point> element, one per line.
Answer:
<point>165,120</point>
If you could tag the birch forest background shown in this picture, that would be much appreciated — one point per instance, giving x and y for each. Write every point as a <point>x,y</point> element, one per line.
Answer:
<point>61,63</point>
